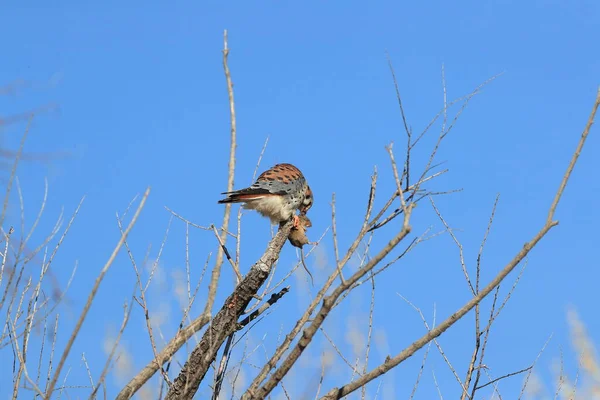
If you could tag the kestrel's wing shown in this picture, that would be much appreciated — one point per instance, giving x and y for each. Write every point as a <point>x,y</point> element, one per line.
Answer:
<point>280,180</point>
<point>282,173</point>
<point>251,193</point>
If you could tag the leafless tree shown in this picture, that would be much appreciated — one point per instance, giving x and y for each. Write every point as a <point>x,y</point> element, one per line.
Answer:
<point>27,307</point>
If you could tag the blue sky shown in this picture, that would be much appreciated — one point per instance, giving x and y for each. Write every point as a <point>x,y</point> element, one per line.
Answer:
<point>141,100</point>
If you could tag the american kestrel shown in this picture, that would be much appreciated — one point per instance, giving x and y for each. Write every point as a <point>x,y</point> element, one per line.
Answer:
<point>277,193</point>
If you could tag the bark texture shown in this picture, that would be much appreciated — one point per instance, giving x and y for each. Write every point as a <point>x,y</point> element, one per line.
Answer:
<point>226,321</point>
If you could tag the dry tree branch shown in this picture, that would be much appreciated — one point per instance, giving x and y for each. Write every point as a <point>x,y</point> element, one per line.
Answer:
<point>126,314</point>
<point>227,255</point>
<point>478,344</point>
<point>226,351</point>
<point>92,295</point>
<point>32,309</point>
<point>337,349</point>
<point>7,236</point>
<point>435,382</point>
<point>187,221</point>
<point>437,344</point>
<point>216,273</point>
<point>492,317</point>
<point>181,337</point>
<point>458,245</point>
<point>496,392</point>
<point>335,241</point>
<point>184,334</point>
<point>87,368</point>
<point>328,303</point>
<point>238,367</point>
<point>321,377</point>
<point>479,348</point>
<point>409,147</point>
<point>507,297</point>
<point>143,288</point>
<point>397,177</point>
<point>444,132</point>
<point>52,255</point>
<point>376,225</point>
<point>391,362</point>
<point>370,331</point>
<point>39,216</point>
<point>13,172</point>
<point>493,381</point>
<point>238,236</point>
<point>220,374</point>
<point>42,346</point>
<point>257,313</point>
<point>417,381</point>
<point>22,356</point>
<point>533,365</point>
<point>225,321</point>
<point>51,358</point>
<point>165,355</point>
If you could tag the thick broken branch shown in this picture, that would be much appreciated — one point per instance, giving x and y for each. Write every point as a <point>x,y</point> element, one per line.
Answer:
<point>226,320</point>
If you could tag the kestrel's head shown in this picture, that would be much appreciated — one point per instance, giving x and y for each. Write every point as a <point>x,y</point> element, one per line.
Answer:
<point>307,202</point>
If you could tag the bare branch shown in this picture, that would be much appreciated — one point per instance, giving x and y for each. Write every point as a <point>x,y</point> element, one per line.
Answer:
<point>13,172</point>
<point>126,314</point>
<point>92,295</point>
<point>504,377</point>
<point>259,393</point>
<point>226,252</point>
<point>337,393</point>
<point>335,242</point>
<point>408,131</point>
<point>216,273</point>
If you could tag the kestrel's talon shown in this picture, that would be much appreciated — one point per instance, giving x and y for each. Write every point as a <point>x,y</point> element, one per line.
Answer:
<point>277,194</point>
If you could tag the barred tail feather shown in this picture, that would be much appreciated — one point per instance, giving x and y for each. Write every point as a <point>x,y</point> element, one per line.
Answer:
<point>239,198</point>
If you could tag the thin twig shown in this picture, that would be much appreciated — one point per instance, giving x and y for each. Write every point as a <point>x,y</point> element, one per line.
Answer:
<point>504,377</point>
<point>13,172</point>
<point>335,242</point>
<point>226,252</point>
<point>126,314</point>
<point>416,385</point>
<point>369,332</point>
<point>458,244</point>
<point>143,288</point>
<point>437,344</point>
<point>406,128</point>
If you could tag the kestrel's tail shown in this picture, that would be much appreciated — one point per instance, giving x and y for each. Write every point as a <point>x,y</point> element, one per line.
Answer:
<point>240,196</point>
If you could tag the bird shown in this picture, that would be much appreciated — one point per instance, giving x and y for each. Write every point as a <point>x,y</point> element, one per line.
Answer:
<point>277,193</point>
